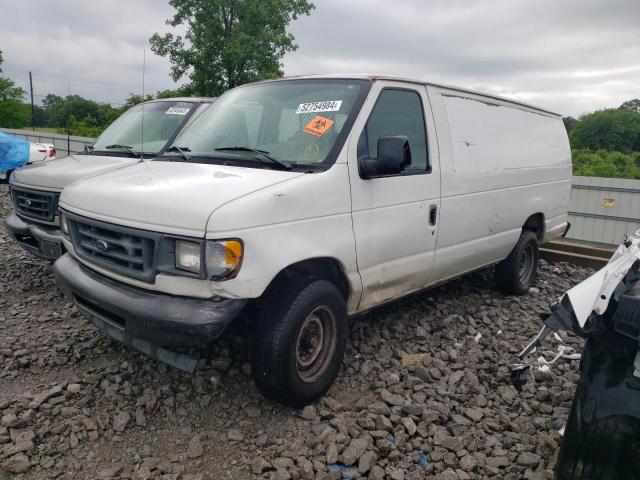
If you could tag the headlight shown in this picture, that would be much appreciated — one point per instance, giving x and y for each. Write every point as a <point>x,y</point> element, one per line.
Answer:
<point>223,258</point>
<point>63,224</point>
<point>188,256</point>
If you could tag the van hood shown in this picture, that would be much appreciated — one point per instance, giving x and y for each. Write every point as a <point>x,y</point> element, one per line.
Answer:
<point>169,197</point>
<point>54,175</point>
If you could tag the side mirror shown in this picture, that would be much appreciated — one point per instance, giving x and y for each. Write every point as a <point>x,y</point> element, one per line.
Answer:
<point>394,155</point>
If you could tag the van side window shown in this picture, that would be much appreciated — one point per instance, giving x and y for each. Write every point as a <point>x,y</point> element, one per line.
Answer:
<point>397,112</point>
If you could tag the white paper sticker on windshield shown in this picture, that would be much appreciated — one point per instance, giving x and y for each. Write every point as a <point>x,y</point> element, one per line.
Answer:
<point>317,107</point>
<point>177,111</point>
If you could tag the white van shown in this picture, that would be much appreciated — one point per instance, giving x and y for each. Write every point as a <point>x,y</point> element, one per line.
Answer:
<point>308,200</point>
<point>142,131</point>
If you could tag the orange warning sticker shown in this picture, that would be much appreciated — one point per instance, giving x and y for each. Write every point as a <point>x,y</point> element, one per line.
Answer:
<point>318,126</point>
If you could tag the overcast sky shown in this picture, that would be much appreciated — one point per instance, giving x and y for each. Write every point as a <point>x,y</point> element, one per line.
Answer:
<point>570,56</point>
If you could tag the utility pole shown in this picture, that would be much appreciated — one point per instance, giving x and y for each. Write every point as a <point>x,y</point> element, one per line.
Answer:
<point>33,116</point>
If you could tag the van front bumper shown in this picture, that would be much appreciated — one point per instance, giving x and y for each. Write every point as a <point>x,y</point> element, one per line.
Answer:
<point>145,320</point>
<point>41,242</point>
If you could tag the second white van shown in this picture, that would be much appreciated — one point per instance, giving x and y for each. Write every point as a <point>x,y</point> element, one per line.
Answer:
<point>308,200</point>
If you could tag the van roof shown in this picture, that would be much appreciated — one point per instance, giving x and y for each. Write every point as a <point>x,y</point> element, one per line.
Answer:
<point>373,77</point>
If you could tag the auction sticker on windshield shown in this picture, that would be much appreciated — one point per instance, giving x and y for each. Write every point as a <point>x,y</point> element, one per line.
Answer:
<point>316,107</point>
<point>318,126</point>
<point>178,110</point>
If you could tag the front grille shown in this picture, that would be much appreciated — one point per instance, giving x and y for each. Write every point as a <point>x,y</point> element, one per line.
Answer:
<point>124,250</point>
<point>34,204</point>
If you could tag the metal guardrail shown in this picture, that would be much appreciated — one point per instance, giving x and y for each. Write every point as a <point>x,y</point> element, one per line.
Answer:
<point>64,145</point>
<point>603,210</point>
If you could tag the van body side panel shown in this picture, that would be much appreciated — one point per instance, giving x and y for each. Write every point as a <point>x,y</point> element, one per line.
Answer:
<point>395,241</point>
<point>500,163</point>
<point>307,218</point>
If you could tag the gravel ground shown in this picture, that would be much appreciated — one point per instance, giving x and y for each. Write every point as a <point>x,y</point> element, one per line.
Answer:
<point>76,405</point>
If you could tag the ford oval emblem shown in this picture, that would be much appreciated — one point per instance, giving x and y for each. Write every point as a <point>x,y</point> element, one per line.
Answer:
<point>27,203</point>
<point>102,245</point>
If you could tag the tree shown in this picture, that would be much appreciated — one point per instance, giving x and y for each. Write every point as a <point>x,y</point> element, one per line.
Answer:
<point>228,42</point>
<point>13,113</point>
<point>612,129</point>
<point>569,122</point>
<point>632,105</point>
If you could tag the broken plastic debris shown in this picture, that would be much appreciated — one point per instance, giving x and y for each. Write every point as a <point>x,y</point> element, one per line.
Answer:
<point>561,431</point>
<point>391,438</point>
<point>424,459</point>
<point>477,337</point>
<point>557,337</point>
<point>413,359</point>
<point>544,368</point>
<point>499,332</point>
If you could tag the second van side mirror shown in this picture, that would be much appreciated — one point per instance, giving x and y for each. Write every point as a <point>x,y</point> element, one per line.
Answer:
<point>394,155</point>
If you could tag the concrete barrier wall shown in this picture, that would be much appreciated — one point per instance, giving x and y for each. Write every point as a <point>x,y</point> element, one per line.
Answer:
<point>63,145</point>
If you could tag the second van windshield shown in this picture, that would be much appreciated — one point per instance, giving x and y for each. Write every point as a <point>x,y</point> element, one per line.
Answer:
<point>295,122</point>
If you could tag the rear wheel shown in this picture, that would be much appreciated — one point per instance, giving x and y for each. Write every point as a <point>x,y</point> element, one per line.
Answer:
<point>516,273</point>
<point>300,340</point>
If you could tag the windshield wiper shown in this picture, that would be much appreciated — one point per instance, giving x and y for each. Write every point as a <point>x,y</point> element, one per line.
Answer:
<point>260,154</point>
<point>122,147</point>
<point>182,150</point>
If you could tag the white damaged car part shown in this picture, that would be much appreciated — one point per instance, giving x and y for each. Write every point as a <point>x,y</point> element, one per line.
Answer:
<point>581,308</point>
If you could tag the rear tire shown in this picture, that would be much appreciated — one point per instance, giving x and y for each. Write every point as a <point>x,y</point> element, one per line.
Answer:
<point>516,273</point>
<point>300,340</point>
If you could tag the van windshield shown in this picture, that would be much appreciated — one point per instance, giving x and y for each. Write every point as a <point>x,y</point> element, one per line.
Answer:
<point>288,123</point>
<point>143,129</point>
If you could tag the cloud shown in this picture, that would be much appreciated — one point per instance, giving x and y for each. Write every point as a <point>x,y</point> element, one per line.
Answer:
<point>571,56</point>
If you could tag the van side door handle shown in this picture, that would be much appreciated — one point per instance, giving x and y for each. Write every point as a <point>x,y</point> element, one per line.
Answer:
<point>433,213</point>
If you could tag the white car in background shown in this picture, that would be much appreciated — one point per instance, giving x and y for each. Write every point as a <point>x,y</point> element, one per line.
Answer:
<point>39,152</point>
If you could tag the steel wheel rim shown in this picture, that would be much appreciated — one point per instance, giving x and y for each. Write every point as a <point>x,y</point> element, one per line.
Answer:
<point>526,264</point>
<point>316,344</point>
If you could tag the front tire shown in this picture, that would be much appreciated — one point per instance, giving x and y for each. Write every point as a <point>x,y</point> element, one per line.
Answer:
<point>300,340</point>
<point>516,273</point>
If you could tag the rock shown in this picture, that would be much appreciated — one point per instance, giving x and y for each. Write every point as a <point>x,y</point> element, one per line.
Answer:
<point>392,399</point>
<point>527,459</point>
<point>195,450</point>
<point>354,451</point>
<point>498,462</point>
<point>120,421</point>
<point>18,463</point>
<point>367,460</point>
<point>409,425</point>
<point>448,474</point>
<point>453,443</point>
<point>235,435</point>
<point>474,414</point>
<point>332,453</point>
<point>259,465</point>
<point>74,388</point>
<point>376,473</point>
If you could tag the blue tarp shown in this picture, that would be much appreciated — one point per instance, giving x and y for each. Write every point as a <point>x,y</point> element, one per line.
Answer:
<point>14,152</point>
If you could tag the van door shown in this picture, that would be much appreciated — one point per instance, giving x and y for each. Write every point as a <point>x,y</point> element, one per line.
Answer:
<point>395,217</point>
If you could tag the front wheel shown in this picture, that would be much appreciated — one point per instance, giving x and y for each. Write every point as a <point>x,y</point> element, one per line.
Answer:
<point>516,273</point>
<point>300,340</point>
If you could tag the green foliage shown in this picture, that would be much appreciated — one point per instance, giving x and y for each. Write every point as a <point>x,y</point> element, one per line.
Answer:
<point>612,129</point>
<point>13,113</point>
<point>228,42</point>
<point>87,127</point>
<point>569,123</point>
<point>603,163</point>
<point>632,105</point>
